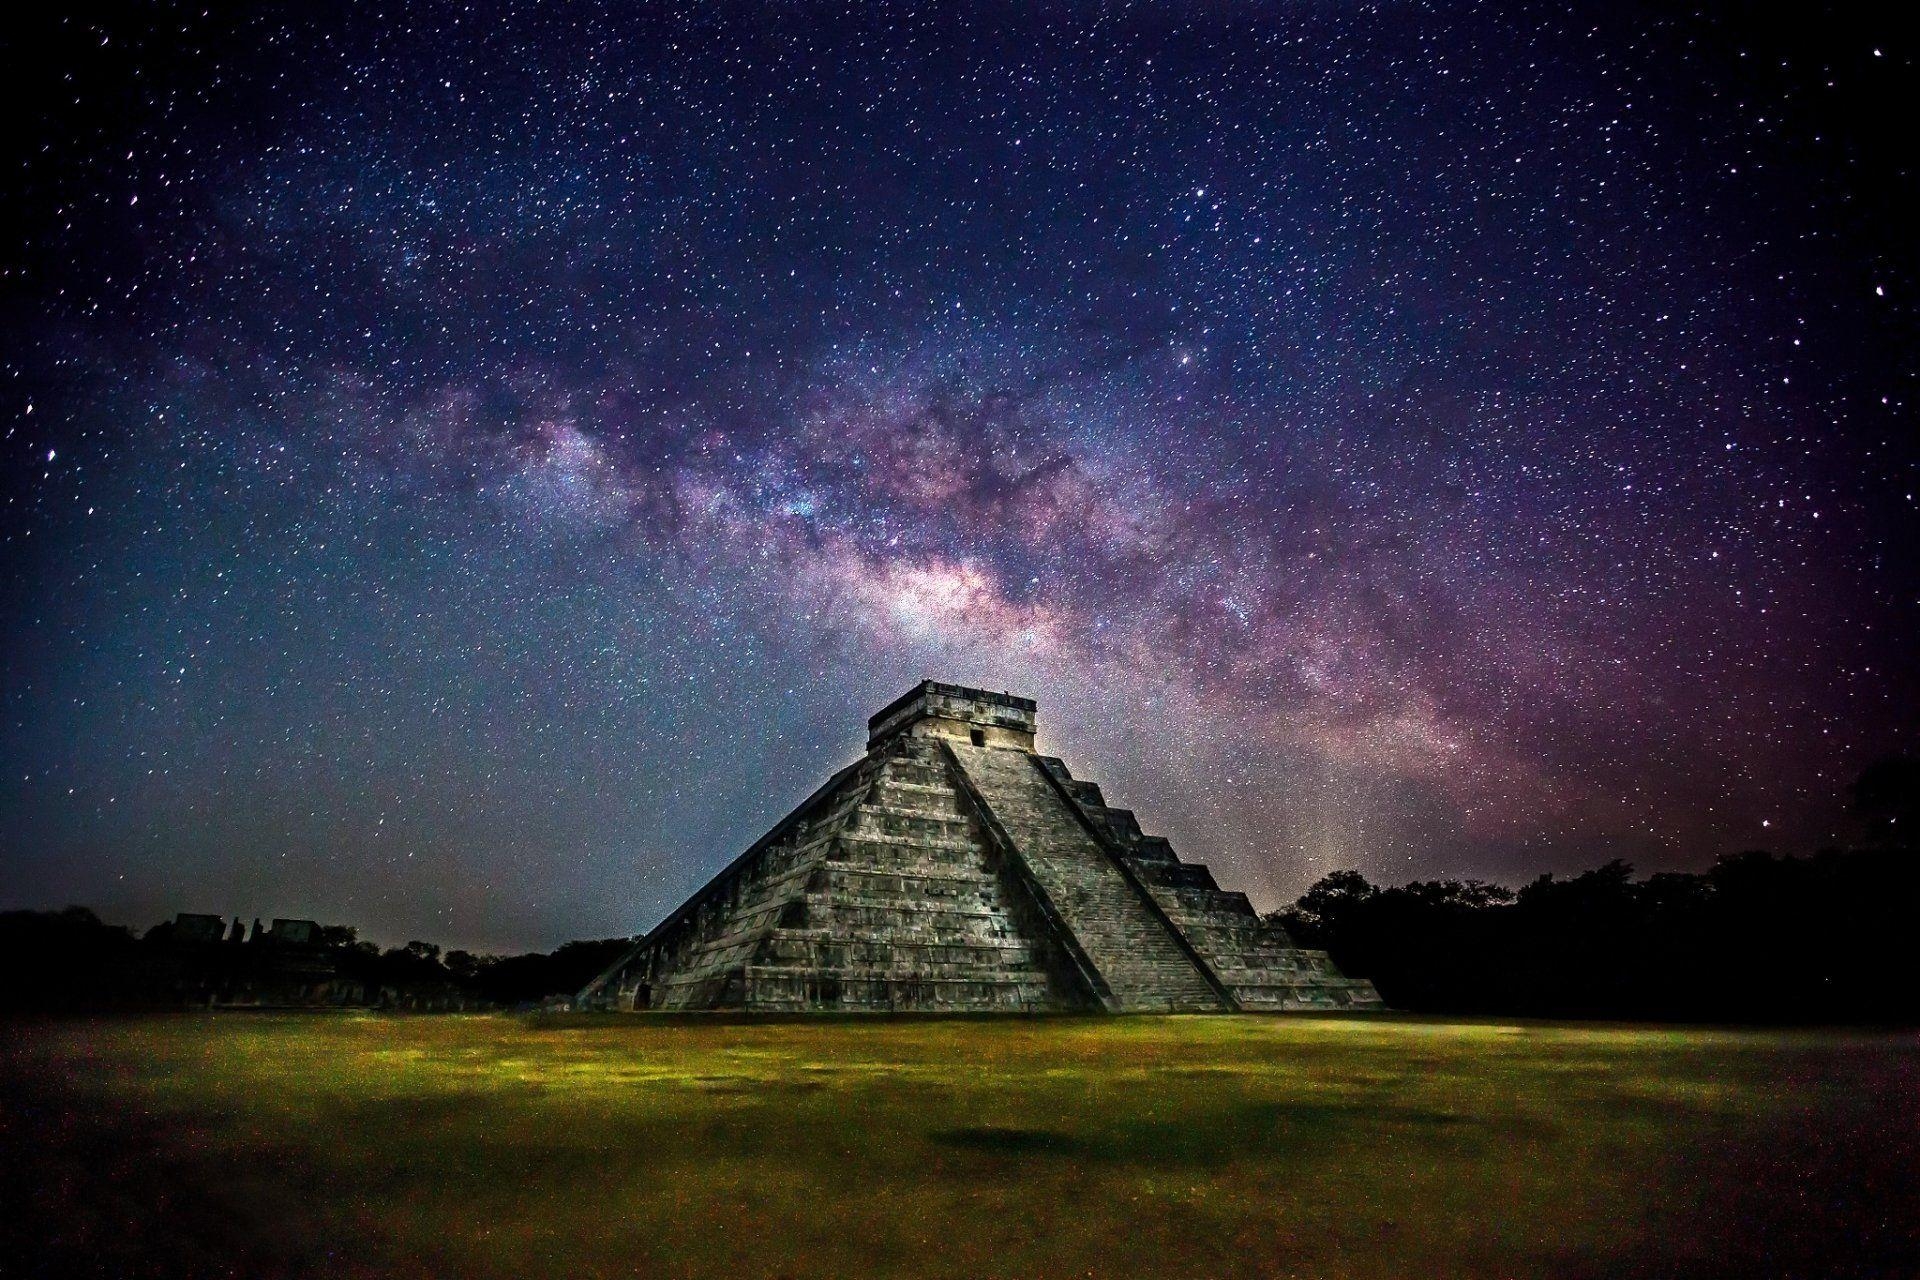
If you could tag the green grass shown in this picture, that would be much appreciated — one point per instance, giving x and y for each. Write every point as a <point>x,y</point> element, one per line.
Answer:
<point>496,1146</point>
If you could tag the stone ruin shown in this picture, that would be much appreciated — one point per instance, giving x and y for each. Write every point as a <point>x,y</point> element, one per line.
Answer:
<point>954,869</point>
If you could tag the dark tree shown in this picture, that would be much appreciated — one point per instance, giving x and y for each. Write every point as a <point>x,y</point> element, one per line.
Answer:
<point>1886,798</point>
<point>1756,938</point>
<point>69,959</point>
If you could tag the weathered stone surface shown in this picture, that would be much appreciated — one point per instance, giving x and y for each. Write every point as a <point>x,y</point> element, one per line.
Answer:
<point>952,868</point>
<point>1131,944</point>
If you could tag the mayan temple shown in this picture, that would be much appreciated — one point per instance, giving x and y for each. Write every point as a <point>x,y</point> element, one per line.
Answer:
<point>953,868</point>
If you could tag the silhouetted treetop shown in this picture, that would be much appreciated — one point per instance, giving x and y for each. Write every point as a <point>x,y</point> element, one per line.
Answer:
<point>1886,798</point>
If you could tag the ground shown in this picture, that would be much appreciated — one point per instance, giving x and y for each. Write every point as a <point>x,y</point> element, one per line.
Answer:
<point>264,1144</point>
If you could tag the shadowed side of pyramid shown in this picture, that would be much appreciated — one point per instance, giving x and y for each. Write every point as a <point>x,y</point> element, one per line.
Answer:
<point>953,869</point>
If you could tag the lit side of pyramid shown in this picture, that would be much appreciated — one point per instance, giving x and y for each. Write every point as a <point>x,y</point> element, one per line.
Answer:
<point>952,868</point>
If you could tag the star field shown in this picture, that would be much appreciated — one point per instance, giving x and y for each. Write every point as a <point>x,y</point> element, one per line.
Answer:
<point>470,468</point>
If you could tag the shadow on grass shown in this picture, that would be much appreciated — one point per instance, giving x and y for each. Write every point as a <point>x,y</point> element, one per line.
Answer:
<point>1214,1137</point>
<point>998,1140</point>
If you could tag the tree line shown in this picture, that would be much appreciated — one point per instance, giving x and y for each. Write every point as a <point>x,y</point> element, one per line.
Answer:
<point>1827,937</point>
<point>72,960</point>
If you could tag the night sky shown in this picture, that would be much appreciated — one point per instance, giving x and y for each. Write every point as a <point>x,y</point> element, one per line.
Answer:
<point>469,469</point>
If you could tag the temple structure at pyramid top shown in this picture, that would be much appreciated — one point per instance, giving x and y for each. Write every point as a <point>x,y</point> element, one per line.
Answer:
<point>953,868</point>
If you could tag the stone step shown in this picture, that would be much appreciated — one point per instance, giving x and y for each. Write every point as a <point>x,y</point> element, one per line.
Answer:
<point>1227,917</point>
<point>849,840</point>
<point>877,935</point>
<point>1175,877</point>
<point>909,879</point>
<point>1018,977</point>
<point>915,797</point>
<point>894,956</point>
<point>907,771</point>
<point>886,820</point>
<point>801,989</point>
<point>902,858</point>
<point>902,918</point>
<point>1319,993</point>
<point>1121,823</point>
<point>843,899</point>
<point>934,897</point>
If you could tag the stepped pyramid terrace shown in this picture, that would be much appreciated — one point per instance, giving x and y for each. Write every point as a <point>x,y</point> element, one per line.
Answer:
<point>954,868</point>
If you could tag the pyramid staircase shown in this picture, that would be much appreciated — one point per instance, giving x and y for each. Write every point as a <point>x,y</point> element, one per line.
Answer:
<point>953,869</point>
<point>885,896</point>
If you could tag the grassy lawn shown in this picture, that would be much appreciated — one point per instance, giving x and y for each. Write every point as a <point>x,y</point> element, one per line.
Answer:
<point>495,1146</point>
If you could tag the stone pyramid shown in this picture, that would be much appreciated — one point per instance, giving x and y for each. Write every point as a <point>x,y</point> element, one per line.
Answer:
<point>952,868</point>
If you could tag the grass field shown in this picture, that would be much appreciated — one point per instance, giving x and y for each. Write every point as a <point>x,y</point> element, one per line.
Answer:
<point>263,1144</point>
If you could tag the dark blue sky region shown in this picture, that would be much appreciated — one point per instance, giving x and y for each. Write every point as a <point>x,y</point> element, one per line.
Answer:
<point>471,467</point>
